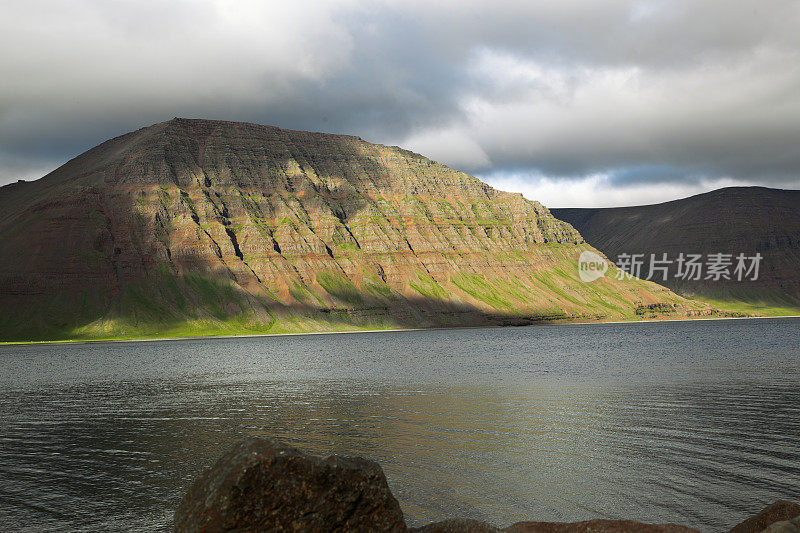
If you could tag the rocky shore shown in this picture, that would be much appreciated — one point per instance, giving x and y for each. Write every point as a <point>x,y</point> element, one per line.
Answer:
<point>264,485</point>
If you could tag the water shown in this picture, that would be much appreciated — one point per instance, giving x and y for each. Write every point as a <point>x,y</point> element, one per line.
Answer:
<point>692,422</point>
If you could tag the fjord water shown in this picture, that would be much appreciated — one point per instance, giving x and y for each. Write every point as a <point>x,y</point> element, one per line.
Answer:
<point>689,422</point>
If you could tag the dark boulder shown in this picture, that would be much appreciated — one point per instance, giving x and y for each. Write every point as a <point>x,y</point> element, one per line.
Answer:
<point>785,526</point>
<point>779,511</point>
<point>263,485</point>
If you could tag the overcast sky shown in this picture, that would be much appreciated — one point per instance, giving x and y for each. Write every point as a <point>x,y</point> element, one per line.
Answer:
<point>573,103</point>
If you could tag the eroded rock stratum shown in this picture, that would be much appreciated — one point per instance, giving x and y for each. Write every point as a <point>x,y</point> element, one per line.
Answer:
<point>198,226</point>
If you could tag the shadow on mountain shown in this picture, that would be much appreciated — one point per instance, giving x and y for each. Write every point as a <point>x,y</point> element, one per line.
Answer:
<point>197,306</point>
<point>151,234</point>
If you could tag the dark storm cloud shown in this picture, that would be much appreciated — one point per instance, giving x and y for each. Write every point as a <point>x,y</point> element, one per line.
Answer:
<point>636,91</point>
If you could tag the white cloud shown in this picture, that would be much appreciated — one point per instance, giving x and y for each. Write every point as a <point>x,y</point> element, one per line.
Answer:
<point>451,147</point>
<point>700,90</point>
<point>740,118</point>
<point>103,54</point>
<point>598,190</point>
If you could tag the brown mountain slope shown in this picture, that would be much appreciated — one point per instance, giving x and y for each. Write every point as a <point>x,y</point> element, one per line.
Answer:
<point>746,220</point>
<point>197,226</point>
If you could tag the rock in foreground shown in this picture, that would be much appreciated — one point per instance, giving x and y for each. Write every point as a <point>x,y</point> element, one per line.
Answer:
<point>785,526</point>
<point>262,485</point>
<point>779,511</point>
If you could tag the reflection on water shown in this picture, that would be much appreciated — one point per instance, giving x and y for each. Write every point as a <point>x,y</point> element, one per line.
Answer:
<point>694,423</point>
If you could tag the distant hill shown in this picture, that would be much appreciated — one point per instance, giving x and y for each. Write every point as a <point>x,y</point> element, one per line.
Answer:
<point>205,227</point>
<point>746,220</point>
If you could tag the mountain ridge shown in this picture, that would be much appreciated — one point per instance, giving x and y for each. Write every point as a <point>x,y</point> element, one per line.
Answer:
<point>733,220</point>
<point>192,225</point>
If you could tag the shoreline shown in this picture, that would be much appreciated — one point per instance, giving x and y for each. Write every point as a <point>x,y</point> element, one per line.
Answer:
<point>558,322</point>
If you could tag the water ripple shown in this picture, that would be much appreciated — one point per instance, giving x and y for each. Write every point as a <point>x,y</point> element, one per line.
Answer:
<point>546,423</point>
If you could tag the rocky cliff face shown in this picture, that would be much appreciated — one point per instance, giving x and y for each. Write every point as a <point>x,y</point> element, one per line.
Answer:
<point>735,220</point>
<point>192,226</point>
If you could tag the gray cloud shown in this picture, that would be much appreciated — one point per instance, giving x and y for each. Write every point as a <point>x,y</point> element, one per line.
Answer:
<point>641,92</point>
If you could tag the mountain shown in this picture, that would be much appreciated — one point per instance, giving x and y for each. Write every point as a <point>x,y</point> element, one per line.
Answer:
<point>206,227</point>
<point>735,220</point>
